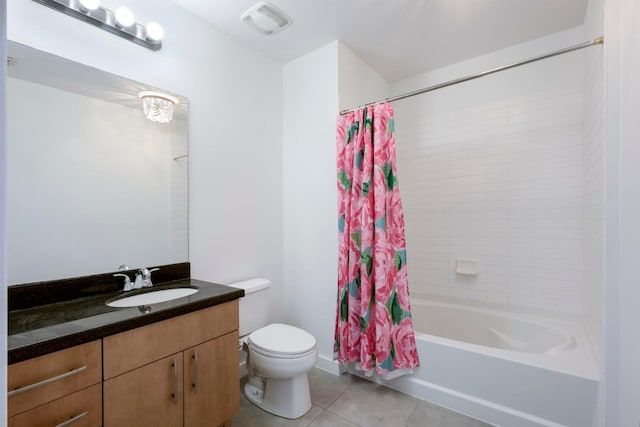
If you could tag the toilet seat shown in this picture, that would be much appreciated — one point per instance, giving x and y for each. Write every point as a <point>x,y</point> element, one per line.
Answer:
<point>282,341</point>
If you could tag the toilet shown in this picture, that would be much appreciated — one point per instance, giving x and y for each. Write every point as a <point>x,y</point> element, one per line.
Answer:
<point>279,356</point>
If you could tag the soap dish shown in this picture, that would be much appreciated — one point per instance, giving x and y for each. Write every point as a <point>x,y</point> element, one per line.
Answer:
<point>468,267</point>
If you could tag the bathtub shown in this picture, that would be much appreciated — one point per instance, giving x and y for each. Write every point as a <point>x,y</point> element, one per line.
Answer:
<point>504,368</point>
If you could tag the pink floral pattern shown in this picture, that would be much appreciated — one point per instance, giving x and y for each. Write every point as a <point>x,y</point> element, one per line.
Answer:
<point>373,321</point>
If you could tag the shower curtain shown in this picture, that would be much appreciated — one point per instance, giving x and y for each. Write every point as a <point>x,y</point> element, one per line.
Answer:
<point>373,322</point>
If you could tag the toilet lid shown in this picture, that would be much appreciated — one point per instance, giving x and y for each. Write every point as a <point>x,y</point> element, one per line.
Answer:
<point>282,339</point>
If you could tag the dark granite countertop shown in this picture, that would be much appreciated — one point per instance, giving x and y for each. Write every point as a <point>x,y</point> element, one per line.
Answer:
<point>42,329</point>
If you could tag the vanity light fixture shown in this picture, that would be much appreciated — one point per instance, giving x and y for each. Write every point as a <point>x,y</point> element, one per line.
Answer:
<point>158,107</point>
<point>120,22</point>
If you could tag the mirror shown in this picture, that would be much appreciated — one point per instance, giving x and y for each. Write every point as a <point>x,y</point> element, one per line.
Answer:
<point>91,182</point>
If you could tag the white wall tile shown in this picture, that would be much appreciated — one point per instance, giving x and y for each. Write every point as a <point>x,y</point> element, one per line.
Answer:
<point>502,182</point>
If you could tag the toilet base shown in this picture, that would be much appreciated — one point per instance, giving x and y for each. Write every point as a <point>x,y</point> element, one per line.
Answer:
<point>287,398</point>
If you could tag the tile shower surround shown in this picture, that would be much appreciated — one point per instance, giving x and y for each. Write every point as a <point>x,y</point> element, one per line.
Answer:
<point>493,170</point>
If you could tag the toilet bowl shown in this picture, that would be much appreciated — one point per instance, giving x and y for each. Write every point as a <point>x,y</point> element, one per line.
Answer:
<point>278,356</point>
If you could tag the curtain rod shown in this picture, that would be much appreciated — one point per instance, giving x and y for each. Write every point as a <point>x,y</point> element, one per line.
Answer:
<point>597,41</point>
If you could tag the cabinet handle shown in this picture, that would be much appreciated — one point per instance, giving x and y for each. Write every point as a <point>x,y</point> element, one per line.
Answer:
<point>195,372</point>
<point>45,382</point>
<point>175,382</point>
<point>73,419</point>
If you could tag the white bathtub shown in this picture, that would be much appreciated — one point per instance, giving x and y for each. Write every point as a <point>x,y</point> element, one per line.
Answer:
<point>489,328</point>
<point>507,369</point>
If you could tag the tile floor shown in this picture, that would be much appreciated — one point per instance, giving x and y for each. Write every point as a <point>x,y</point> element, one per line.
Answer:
<point>349,401</point>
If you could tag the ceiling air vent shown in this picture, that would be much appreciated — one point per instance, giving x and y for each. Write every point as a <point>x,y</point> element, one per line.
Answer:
<point>266,18</point>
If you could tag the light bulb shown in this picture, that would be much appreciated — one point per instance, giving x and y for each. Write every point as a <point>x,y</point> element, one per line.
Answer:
<point>155,32</point>
<point>124,17</point>
<point>89,5</point>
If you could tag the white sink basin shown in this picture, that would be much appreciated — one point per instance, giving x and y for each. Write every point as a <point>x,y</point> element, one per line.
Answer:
<point>153,297</point>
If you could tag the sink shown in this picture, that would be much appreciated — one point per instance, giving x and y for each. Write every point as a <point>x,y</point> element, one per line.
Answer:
<point>152,297</point>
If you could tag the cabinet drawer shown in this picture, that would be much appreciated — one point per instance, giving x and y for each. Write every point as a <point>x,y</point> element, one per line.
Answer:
<point>80,409</point>
<point>40,380</point>
<point>131,349</point>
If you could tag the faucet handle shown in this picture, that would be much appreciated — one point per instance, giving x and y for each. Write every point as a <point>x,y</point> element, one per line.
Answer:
<point>127,281</point>
<point>146,276</point>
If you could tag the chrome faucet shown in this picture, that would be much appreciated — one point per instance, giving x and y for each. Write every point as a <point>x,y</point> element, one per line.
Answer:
<point>138,282</point>
<point>127,281</point>
<point>143,278</point>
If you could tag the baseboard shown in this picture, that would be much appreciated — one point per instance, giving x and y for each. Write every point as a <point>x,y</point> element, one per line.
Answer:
<point>329,365</point>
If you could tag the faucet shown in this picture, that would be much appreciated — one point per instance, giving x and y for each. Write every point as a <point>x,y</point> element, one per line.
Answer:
<point>127,281</point>
<point>143,278</point>
<point>138,282</point>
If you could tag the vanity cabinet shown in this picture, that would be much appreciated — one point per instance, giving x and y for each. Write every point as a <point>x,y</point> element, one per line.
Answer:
<point>60,388</point>
<point>180,371</point>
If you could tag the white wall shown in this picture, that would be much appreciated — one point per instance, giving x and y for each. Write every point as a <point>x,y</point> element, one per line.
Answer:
<point>316,86</point>
<point>629,89</point>
<point>310,237</point>
<point>93,195</point>
<point>492,170</point>
<point>611,357</point>
<point>358,83</point>
<point>594,178</point>
<point>235,126</point>
<point>3,276</point>
<point>620,296</point>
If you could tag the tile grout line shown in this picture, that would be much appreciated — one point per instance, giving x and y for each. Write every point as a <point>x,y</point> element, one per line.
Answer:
<point>344,417</point>
<point>314,418</point>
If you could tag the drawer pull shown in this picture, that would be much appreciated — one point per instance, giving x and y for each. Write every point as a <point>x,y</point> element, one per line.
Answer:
<point>195,372</point>
<point>73,419</point>
<point>45,382</point>
<point>175,382</point>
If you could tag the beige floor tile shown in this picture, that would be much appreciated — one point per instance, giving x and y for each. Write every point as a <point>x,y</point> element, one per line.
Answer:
<point>326,387</point>
<point>252,416</point>
<point>328,419</point>
<point>351,401</point>
<point>427,414</point>
<point>373,405</point>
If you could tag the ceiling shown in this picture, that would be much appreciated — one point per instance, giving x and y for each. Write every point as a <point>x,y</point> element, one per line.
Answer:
<point>398,38</point>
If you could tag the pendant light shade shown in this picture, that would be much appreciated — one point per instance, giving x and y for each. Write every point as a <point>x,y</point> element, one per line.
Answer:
<point>157,106</point>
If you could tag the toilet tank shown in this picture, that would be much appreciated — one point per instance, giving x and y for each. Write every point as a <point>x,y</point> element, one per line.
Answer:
<point>254,306</point>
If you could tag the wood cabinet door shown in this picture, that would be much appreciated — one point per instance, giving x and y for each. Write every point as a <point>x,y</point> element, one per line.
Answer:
<point>211,382</point>
<point>148,396</point>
